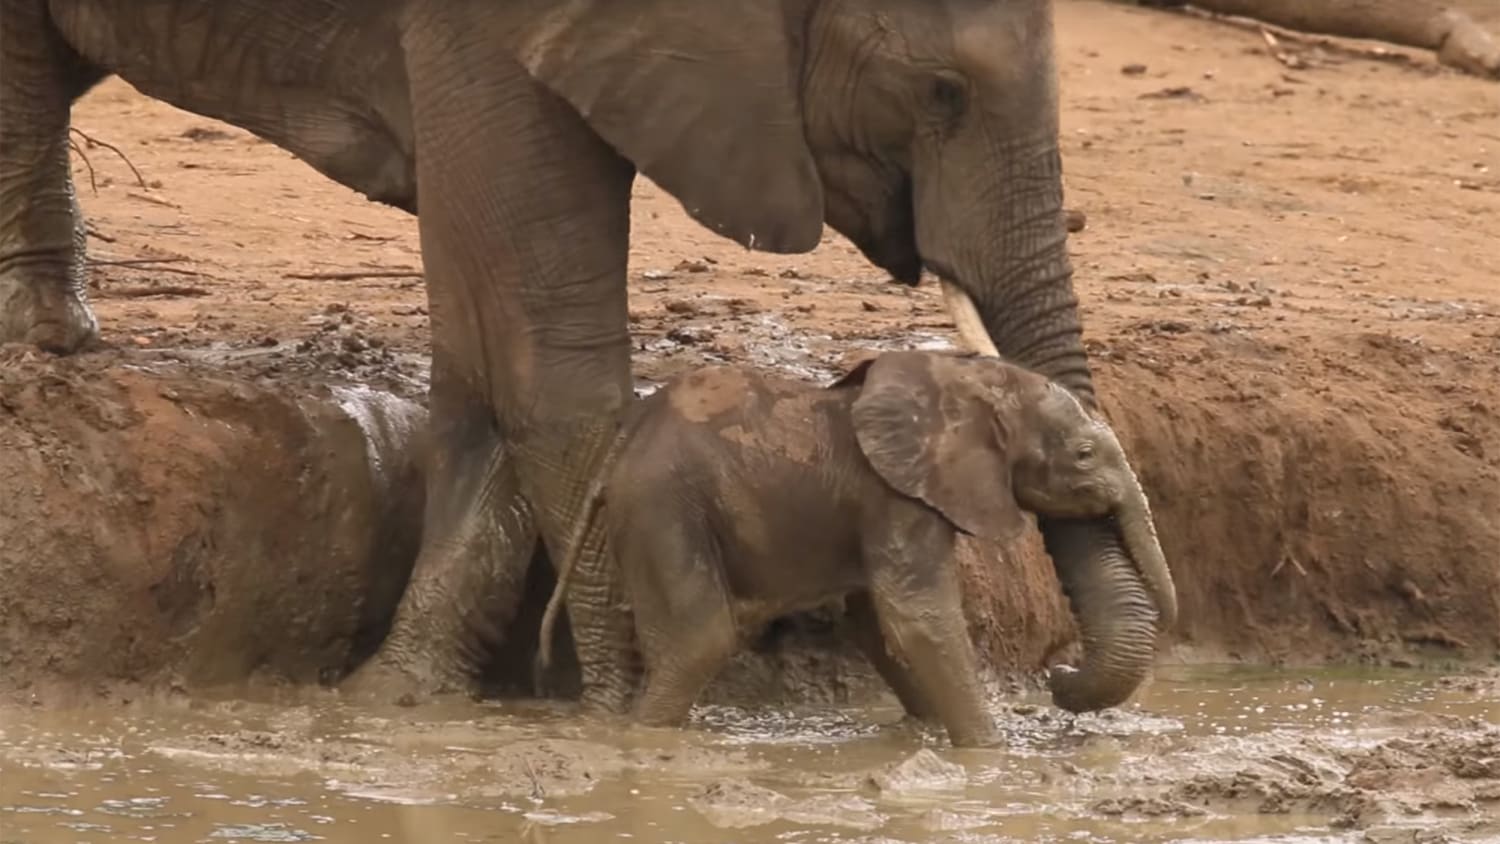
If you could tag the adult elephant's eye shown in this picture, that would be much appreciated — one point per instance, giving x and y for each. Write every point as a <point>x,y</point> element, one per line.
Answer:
<point>949,96</point>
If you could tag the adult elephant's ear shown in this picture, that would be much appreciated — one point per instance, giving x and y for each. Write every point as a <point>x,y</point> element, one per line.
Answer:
<point>702,97</point>
<point>922,425</point>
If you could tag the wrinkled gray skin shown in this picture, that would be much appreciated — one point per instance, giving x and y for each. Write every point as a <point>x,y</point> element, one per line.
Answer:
<point>925,132</point>
<point>735,497</point>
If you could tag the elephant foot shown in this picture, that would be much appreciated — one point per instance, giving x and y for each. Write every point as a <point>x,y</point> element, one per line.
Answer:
<point>39,312</point>
<point>380,680</point>
<point>614,697</point>
<point>469,576</point>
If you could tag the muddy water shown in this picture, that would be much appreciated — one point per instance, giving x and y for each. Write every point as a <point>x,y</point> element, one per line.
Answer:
<point>1204,755</point>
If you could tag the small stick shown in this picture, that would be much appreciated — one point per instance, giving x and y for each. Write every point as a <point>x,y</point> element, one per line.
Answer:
<point>537,792</point>
<point>1273,34</point>
<point>94,142</point>
<point>95,233</point>
<point>357,274</point>
<point>1288,558</point>
<point>147,292</point>
<point>179,271</point>
<point>153,200</point>
<point>136,262</point>
<point>93,183</point>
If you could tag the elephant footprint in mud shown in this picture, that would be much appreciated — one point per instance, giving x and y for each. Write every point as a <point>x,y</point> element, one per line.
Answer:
<point>735,497</point>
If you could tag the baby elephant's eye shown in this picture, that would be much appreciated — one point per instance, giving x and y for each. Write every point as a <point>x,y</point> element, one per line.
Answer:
<point>1085,451</point>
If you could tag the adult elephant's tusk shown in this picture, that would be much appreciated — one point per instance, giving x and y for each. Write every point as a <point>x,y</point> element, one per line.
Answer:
<point>966,316</point>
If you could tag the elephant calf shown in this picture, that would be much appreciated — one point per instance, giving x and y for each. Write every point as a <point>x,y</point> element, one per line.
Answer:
<point>735,497</point>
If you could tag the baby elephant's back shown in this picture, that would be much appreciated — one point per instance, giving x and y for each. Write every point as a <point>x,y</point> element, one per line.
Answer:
<point>730,432</point>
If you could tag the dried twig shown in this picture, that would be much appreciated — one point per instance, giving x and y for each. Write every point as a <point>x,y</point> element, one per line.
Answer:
<point>1274,46</point>
<point>1288,558</point>
<point>158,265</point>
<point>94,142</point>
<point>352,275</point>
<point>157,268</point>
<point>147,292</point>
<point>94,232</point>
<point>93,182</point>
<point>537,792</point>
<point>1274,35</point>
<point>153,200</point>
<point>136,262</point>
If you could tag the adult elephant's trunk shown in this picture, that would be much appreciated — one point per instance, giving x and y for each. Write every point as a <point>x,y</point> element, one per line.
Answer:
<point>1013,285</point>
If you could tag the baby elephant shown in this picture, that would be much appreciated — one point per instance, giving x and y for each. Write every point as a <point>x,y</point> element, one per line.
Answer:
<point>734,497</point>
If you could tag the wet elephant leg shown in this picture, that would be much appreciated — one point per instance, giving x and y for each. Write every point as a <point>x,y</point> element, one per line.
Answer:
<point>478,538</point>
<point>525,218</point>
<point>914,588</point>
<point>42,298</point>
<point>683,617</point>
<point>867,634</point>
<point>926,632</point>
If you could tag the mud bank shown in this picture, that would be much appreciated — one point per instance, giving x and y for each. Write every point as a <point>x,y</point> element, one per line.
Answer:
<point>179,524</point>
<point>173,527</point>
<point>1309,518</point>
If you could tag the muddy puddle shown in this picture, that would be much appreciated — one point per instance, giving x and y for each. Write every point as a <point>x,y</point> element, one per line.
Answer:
<point>1205,754</point>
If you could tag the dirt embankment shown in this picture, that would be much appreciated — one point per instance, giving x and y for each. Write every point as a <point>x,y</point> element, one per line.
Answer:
<point>1309,519</point>
<point>171,524</point>
<point>173,527</point>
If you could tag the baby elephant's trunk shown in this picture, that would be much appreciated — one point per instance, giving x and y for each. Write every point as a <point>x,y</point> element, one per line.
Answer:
<point>1116,615</point>
<point>1122,595</point>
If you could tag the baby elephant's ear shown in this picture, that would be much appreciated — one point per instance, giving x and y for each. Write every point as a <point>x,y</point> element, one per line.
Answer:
<point>923,427</point>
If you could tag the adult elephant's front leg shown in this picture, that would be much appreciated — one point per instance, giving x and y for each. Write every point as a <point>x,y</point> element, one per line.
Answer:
<point>524,219</point>
<point>42,299</point>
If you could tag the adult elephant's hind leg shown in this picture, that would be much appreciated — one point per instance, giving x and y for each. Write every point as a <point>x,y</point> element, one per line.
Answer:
<point>42,298</point>
<point>478,539</point>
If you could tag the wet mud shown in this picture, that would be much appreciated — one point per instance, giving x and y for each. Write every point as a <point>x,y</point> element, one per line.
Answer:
<point>1206,754</point>
<point>193,518</point>
<point>170,527</point>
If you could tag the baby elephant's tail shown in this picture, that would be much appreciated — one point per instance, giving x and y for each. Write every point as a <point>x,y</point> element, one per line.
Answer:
<point>592,502</point>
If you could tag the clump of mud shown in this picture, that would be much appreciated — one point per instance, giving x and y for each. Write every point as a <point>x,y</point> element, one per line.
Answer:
<point>1447,776</point>
<point>170,526</point>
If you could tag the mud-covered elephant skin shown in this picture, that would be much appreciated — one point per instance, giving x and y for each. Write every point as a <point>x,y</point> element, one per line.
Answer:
<point>732,498</point>
<point>925,132</point>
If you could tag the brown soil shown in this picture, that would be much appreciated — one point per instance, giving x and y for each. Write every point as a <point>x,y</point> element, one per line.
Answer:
<point>169,527</point>
<point>1287,279</point>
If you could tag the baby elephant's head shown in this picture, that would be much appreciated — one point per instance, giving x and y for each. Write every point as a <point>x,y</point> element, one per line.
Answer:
<point>979,439</point>
<point>975,436</point>
<point>1065,462</point>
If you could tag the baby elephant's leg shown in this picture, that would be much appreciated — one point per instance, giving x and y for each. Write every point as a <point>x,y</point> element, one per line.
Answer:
<point>867,634</point>
<point>683,617</point>
<point>926,632</point>
<point>915,591</point>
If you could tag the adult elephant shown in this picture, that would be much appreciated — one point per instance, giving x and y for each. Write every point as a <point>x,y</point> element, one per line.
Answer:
<point>926,132</point>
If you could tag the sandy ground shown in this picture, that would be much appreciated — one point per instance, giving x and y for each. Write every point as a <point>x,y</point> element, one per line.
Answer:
<point>1287,281</point>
